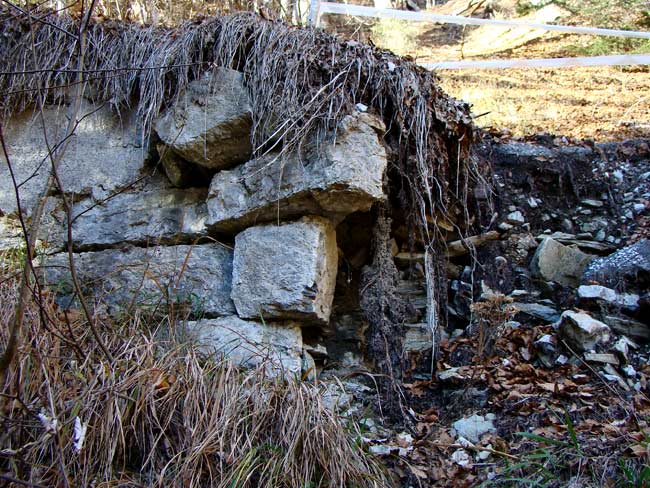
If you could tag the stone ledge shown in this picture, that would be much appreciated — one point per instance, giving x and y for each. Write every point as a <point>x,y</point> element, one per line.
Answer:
<point>195,277</point>
<point>345,177</point>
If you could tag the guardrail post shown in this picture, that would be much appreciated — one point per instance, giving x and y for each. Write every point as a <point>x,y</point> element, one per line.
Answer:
<point>314,12</point>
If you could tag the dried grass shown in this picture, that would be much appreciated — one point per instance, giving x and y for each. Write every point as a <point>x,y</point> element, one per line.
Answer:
<point>161,415</point>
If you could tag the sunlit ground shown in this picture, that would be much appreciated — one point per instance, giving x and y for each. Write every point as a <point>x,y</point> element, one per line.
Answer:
<point>604,103</point>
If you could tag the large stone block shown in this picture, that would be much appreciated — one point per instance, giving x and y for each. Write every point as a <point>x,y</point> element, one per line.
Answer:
<point>553,261</point>
<point>153,214</point>
<point>188,276</point>
<point>211,124</point>
<point>286,271</point>
<point>104,154</point>
<point>250,344</point>
<point>341,176</point>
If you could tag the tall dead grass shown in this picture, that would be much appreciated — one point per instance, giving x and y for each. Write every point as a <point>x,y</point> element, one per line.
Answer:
<point>160,415</point>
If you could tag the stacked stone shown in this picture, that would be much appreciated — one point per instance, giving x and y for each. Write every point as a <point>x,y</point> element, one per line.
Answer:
<point>153,243</point>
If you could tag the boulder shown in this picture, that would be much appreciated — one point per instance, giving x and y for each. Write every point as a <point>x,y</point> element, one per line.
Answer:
<point>196,277</point>
<point>582,331</point>
<point>250,344</point>
<point>553,261</point>
<point>627,268</point>
<point>211,123</point>
<point>344,175</point>
<point>104,154</point>
<point>154,214</point>
<point>286,271</point>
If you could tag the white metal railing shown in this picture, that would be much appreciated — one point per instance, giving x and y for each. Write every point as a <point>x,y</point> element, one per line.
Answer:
<point>318,8</point>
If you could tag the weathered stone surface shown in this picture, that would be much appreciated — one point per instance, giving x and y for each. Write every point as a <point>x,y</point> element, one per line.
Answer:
<point>417,338</point>
<point>603,295</point>
<point>582,331</point>
<point>629,327</point>
<point>553,261</point>
<point>628,267</point>
<point>286,271</point>
<point>472,428</point>
<point>51,232</point>
<point>11,235</point>
<point>154,214</point>
<point>104,154</point>
<point>211,124</point>
<point>339,178</point>
<point>538,310</point>
<point>249,344</point>
<point>150,277</point>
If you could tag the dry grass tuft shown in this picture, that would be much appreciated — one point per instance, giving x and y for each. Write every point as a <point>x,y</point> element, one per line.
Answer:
<point>160,415</point>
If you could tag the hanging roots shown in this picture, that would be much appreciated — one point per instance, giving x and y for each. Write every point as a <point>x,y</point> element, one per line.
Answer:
<point>385,311</point>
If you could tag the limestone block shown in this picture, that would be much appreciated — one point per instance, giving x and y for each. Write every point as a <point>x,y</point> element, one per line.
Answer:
<point>582,331</point>
<point>149,278</point>
<point>341,176</point>
<point>154,214</point>
<point>286,271</point>
<point>556,262</point>
<point>211,124</point>
<point>247,343</point>
<point>104,154</point>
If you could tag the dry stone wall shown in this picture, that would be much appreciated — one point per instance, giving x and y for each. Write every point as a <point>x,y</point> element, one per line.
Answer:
<point>246,249</point>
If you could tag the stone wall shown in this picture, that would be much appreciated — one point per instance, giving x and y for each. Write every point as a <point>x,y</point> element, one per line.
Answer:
<point>248,250</point>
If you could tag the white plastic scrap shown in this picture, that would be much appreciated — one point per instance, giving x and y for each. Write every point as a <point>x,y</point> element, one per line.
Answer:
<point>50,424</point>
<point>461,458</point>
<point>79,435</point>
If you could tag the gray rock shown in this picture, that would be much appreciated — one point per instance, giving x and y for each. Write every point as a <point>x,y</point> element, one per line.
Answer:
<point>592,202</point>
<point>582,331</point>
<point>628,327</point>
<point>150,278</point>
<point>417,338</point>
<point>539,311</point>
<point>474,427</point>
<point>154,214</point>
<point>597,293</point>
<point>628,267</point>
<point>104,154</point>
<point>286,271</point>
<point>51,232</point>
<point>180,173</point>
<point>308,368</point>
<point>11,235</point>
<point>339,178</point>
<point>583,244</point>
<point>515,218</point>
<point>553,261</point>
<point>250,344</point>
<point>211,124</point>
